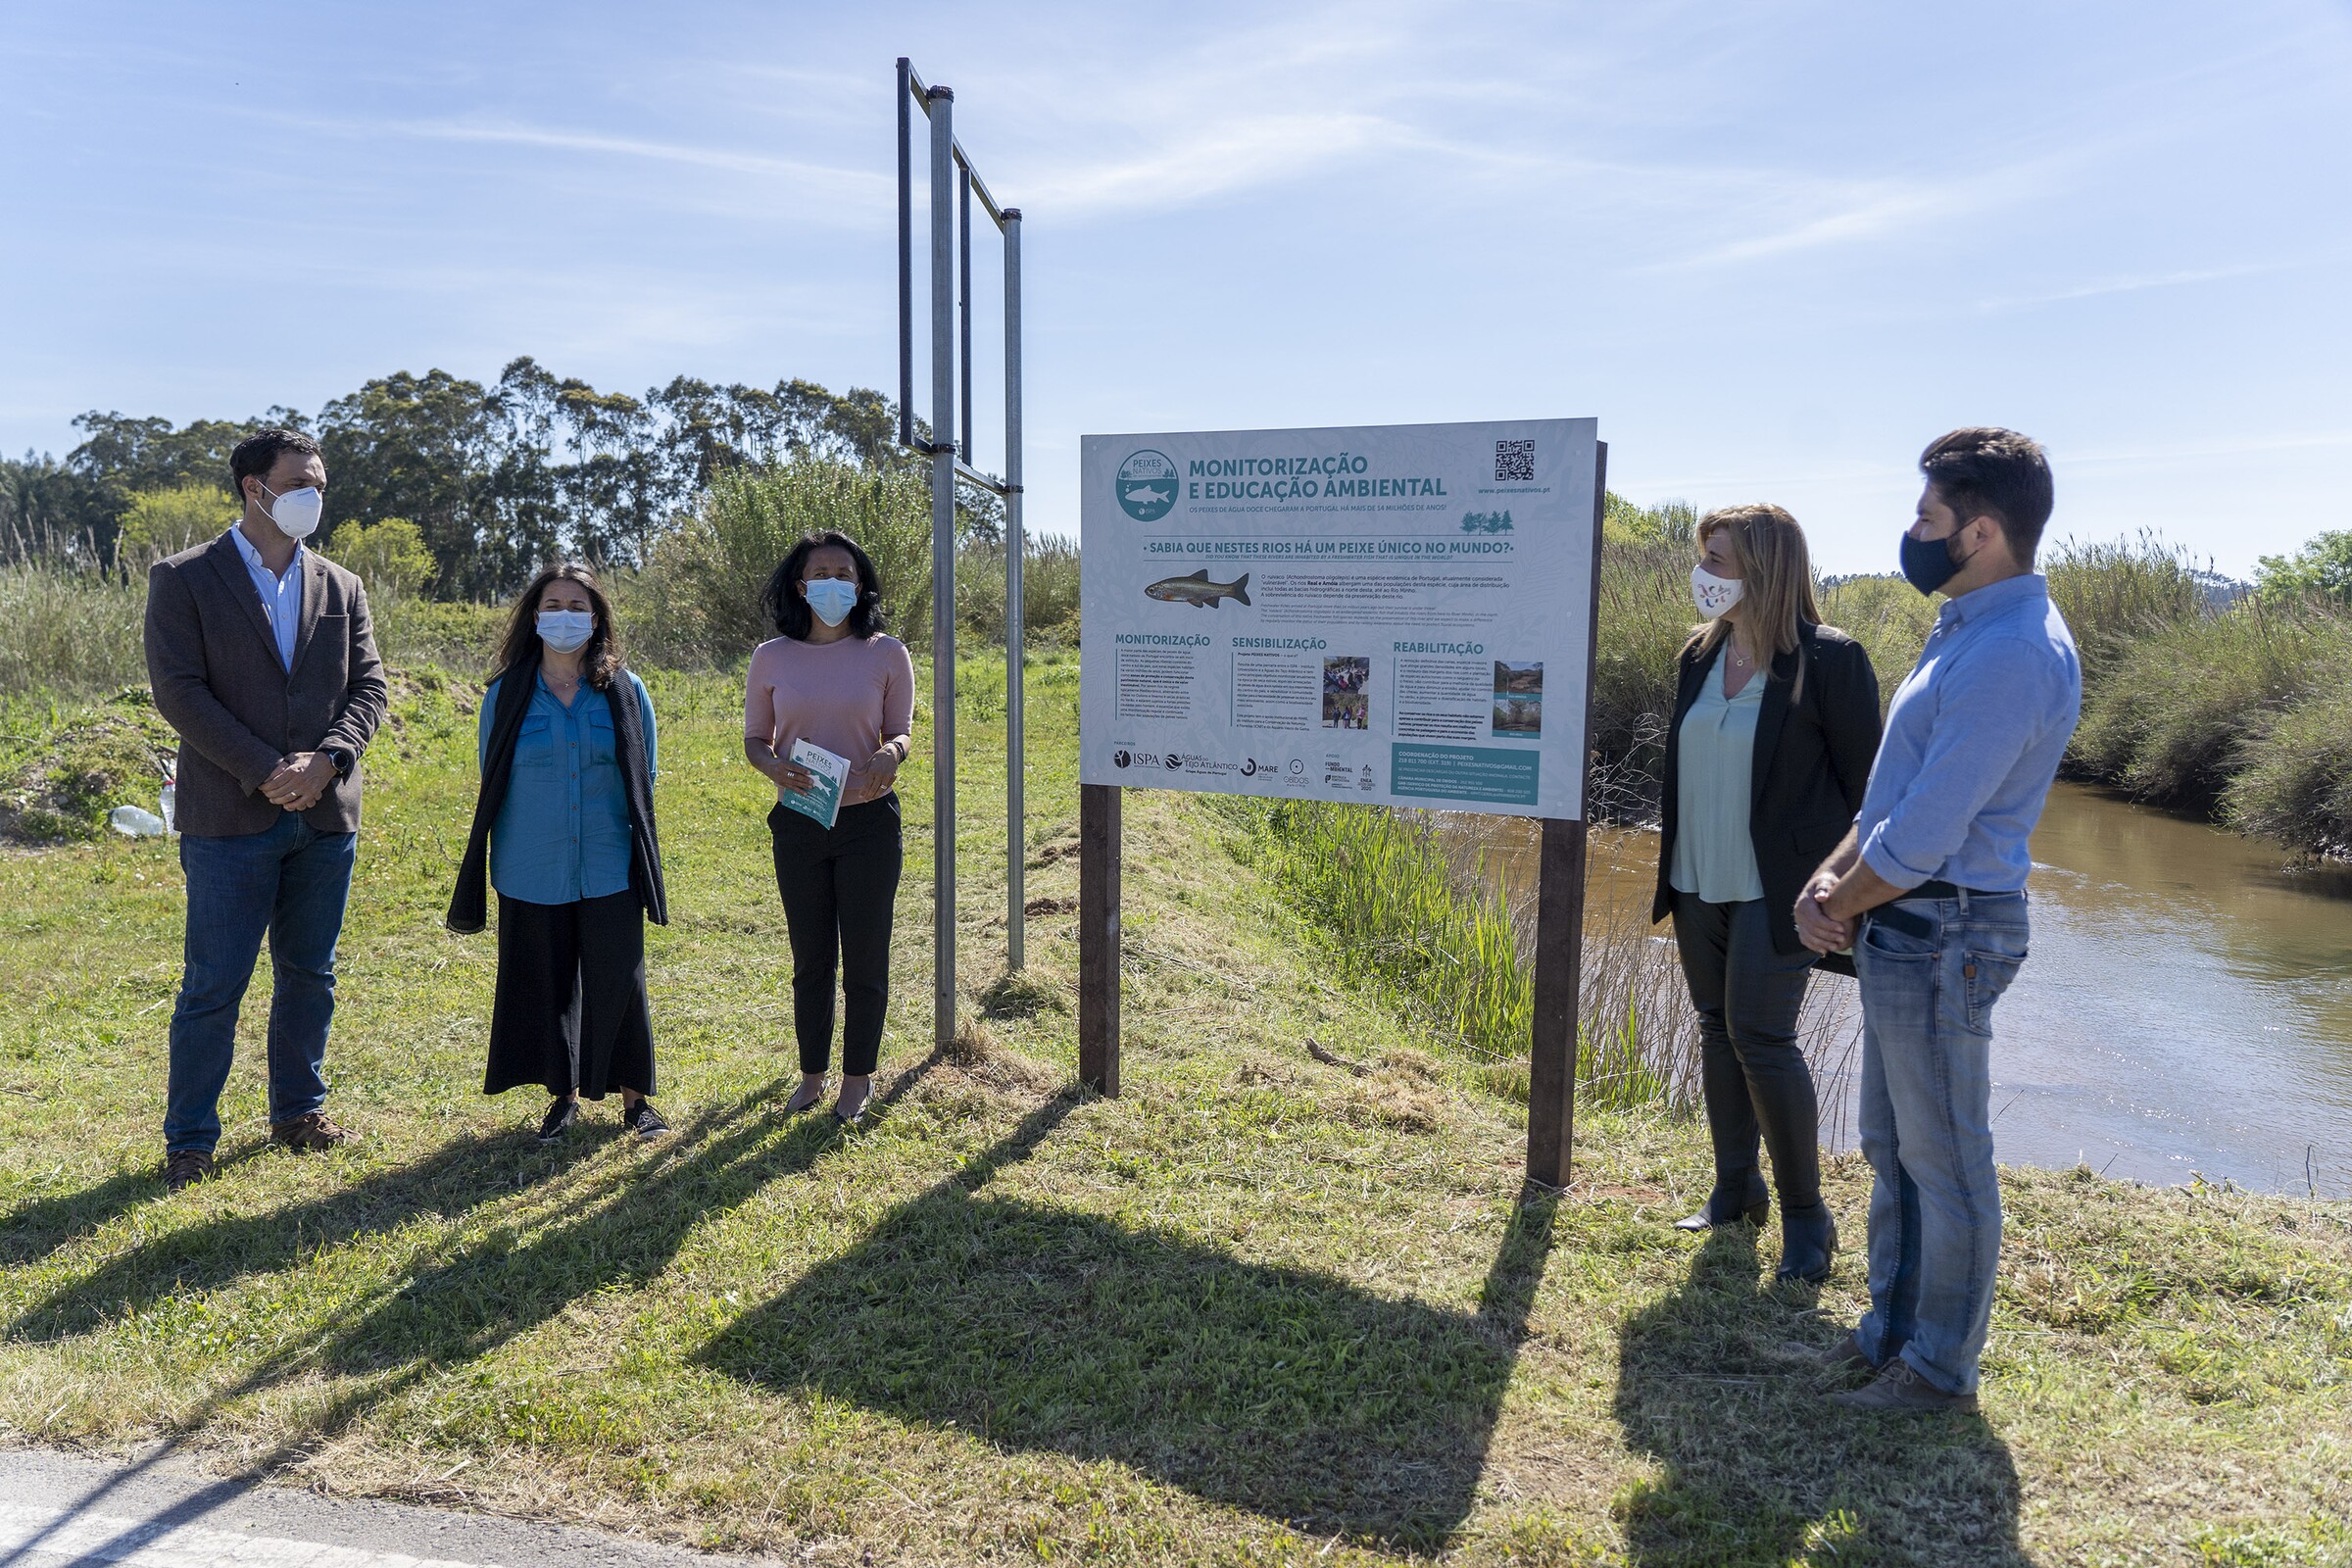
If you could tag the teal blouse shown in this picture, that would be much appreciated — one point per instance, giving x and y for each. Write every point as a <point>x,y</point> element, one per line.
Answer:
<point>1714,853</point>
<point>562,833</point>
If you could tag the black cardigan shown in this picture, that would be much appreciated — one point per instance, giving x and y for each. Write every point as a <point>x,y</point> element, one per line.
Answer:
<point>469,904</point>
<point>1812,761</point>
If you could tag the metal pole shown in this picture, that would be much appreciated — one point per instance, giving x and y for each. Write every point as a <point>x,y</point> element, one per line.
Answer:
<point>943,566</point>
<point>905,264</point>
<point>1016,546</point>
<point>963,309</point>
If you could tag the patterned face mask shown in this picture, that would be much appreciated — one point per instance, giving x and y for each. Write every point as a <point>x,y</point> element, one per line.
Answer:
<point>1712,594</point>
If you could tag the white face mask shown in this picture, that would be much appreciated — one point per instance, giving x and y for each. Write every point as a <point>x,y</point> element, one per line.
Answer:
<point>566,630</point>
<point>296,512</point>
<point>1712,594</point>
<point>831,599</point>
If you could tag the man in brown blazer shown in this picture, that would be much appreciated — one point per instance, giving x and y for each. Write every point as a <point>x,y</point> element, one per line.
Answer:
<point>261,654</point>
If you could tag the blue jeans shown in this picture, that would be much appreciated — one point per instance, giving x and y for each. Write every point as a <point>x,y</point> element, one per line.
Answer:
<point>1928,994</point>
<point>290,882</point>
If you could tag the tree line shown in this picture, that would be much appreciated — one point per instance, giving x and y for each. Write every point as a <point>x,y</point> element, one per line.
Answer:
<point>495,478</point>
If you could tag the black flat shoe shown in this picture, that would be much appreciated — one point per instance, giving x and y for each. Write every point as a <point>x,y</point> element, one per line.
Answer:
<point>644,1120</point>
<point>1808,1244</point>
<point>559,1120</point>
<point>1713,1218</point>
<point>795,1105</point>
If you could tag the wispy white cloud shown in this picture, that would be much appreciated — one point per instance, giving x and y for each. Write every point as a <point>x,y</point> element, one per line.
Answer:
<point>839,183</point>
<point>1222,158</point>
<point>2133,284</point>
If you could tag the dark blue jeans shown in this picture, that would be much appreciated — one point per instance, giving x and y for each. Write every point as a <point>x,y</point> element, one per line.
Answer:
<point>1932,970</point>
<point>289,883</point>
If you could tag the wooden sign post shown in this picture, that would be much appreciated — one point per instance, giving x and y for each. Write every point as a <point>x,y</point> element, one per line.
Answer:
<point>1559,936</point>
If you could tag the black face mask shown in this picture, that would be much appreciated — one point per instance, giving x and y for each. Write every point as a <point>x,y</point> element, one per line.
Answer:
<point>1929,564</point>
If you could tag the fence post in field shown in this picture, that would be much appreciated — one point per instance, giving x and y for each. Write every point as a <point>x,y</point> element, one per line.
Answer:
<point>1099,937</point>
<point>1560,936</point>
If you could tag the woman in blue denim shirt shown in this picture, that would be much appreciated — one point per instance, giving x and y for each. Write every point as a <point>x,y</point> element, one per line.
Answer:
<point>567,747</point>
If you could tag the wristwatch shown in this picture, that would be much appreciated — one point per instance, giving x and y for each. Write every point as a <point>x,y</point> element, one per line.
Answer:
<point>344,758</point>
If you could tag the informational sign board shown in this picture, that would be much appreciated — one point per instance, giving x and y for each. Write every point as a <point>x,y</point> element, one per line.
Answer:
<point>1397,615</point>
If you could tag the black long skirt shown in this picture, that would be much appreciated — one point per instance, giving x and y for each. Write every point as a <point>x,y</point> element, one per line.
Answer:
<point>572,1010</point>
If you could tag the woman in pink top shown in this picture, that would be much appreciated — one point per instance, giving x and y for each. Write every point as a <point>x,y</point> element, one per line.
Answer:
<point>833,680</point>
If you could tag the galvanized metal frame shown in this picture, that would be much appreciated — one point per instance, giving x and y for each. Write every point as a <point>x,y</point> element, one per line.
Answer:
<point>953,184</point>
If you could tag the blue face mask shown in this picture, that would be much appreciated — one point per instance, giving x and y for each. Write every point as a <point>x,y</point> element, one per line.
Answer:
<point>831,599</point>
<point>1928,564</point>
<point>566,630</point>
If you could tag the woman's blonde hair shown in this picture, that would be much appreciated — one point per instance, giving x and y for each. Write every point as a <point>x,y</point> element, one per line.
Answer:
<point>1775,571</point>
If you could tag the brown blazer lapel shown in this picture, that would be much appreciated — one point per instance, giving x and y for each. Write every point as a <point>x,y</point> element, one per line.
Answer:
<point>313,596</point>
<point>230,565</point>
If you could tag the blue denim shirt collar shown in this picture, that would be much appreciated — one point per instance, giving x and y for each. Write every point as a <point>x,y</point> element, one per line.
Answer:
<point>2031,587</point>
<point>253,557</point>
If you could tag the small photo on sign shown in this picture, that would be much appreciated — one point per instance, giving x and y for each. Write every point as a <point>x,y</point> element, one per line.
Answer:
<point>1518,700</point>
<point>1345,705</point>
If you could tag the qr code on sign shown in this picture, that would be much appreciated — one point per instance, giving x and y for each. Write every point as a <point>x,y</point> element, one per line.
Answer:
<point>1514,461</point>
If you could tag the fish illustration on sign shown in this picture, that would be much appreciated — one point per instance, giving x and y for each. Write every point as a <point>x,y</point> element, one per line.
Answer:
<point>1146,495</point>
<point>1198,591</point>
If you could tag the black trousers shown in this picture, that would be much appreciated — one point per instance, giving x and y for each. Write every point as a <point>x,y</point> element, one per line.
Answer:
<point>840,886</point>
<point>1751,1071</point>
<point>572,1009</point>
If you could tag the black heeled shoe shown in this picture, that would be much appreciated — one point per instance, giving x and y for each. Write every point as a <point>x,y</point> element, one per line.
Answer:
<point>1717,1213</point>
<point>1808,1244</point>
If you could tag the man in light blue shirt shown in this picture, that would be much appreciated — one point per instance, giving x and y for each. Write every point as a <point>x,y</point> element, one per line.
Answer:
<point>1929,889</point>
<point>280,589</point>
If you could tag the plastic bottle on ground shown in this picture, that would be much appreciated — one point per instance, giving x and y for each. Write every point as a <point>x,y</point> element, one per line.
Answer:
<point>136,822</point>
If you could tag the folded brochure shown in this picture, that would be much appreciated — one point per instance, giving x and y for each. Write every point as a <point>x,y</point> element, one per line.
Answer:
<point>822,799</point>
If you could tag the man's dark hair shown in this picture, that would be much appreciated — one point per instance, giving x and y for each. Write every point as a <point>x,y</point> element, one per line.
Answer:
<point>790,613</point>
<point>1988,471</point>
<point>258,453</point>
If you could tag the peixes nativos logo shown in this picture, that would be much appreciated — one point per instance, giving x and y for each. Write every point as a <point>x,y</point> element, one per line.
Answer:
<point>1147,485</point>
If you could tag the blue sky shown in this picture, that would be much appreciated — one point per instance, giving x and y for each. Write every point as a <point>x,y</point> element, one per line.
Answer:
<point>1773,248</point>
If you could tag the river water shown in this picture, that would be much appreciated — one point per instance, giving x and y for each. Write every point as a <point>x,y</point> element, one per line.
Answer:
<point>2187,1007</point>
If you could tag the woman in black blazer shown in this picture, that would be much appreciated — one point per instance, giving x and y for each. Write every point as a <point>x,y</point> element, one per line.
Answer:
<point>1776,723</point>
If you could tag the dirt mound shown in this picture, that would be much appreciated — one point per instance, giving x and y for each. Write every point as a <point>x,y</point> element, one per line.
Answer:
<point>59,780</point>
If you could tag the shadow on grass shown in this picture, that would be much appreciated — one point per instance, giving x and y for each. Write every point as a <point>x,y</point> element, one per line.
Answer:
<point>32,1231</point>
<point>461,1175</point>
<point>1761,1468</point>
<point>1292,1394</point>
<point>625,1227</point>
<point>622,1231</point>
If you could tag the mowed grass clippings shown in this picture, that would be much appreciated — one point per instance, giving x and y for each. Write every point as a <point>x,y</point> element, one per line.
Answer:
<point>1260,1308</point>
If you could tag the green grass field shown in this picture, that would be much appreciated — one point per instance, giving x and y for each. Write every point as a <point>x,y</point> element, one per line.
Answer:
<point>1258,1309</point>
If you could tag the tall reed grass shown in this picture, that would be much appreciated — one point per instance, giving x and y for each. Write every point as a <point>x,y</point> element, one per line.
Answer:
<point>696,603</point>
<point>2238,711</point>
<point>1049,591</point>
<point>1399,914</point>
<point>72,633</point>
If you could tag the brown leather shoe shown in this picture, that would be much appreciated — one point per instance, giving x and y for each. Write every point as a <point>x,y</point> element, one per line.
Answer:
<point>310,1132</point>
<point>184,1168</point>
<point>1844,1357</point>
<point>1900,1387</point>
